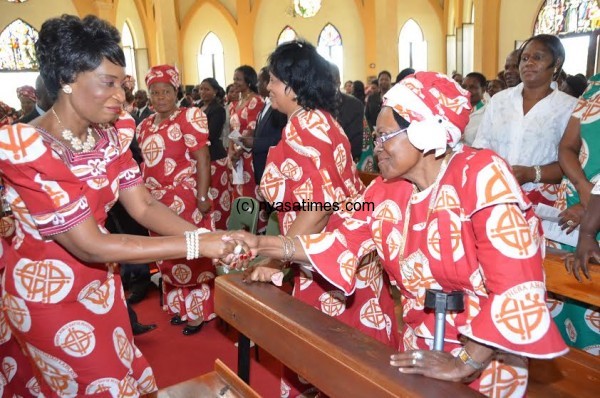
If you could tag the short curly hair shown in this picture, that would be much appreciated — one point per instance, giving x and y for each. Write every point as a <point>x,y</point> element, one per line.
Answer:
<point>69,45</point>
<point>298,65</point>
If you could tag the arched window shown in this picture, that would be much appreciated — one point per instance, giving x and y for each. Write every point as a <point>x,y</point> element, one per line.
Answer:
<point>211,61</point>
<point>412,47</point>
<point>287,34</point>
<point>330,47</point>
<point>18,61</point>
<point>577,24</point>
<point>129,50</point>
<point>17,52</point>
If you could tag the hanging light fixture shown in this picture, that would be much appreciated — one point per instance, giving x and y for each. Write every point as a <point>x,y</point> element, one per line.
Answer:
<point>307,8</point>
<point>16,1</point>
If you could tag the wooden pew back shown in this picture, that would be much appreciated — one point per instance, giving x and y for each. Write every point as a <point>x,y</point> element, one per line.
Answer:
<point>576,374</point>
<point>337,359</point>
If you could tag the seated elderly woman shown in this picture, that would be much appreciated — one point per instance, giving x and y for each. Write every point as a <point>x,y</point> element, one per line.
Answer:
<point>445,217</point>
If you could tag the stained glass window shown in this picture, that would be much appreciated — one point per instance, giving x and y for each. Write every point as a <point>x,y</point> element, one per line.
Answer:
<point>17,50</point>
<point>558,17</point>
<point>211,59</point>
<point>287,34</point>
<point>330,47</point>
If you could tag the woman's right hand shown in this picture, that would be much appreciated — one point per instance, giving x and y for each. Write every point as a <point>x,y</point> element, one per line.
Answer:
<point>266,270</point>
<point>587,248</point>
<point>221,245</point>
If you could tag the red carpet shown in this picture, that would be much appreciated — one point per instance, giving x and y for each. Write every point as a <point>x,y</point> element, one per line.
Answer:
<point>175,357</point>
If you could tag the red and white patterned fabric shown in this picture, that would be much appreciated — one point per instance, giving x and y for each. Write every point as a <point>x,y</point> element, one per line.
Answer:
<point>163,74</point>
<point>170,174</point>
<point>220,192</point>
<point>481,237</point>
<point>313,163</point>
<point>243,119</point>
<point>67,315</point>
<point>436,107</point>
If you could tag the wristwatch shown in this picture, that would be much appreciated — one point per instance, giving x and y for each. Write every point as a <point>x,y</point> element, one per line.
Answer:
<point>464,356</point>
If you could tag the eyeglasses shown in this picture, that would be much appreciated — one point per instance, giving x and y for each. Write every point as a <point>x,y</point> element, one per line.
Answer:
<point>379,139</point>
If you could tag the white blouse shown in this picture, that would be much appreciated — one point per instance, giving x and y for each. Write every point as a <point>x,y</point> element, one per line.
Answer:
<point>525,140</point>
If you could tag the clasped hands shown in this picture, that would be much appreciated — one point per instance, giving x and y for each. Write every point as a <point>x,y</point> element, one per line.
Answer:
<point>234,250</point>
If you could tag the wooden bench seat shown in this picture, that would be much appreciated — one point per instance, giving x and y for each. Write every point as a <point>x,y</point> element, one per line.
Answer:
<point>576,374</point>
<point>339,360</point>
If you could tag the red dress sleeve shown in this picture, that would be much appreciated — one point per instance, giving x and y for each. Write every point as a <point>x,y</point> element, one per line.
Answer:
<point>129,174</point>
<point>336,255</point>
<point>509,249</point>
<point>194,127</point>
<point>53,196</point>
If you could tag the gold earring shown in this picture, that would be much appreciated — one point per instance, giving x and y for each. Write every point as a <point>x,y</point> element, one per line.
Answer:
<point>67,89</point>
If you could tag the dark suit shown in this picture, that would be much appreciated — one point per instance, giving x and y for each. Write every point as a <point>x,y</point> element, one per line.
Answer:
<point>267,134</point>
<point>350,116</point>
<point>215,115</point>
<point>139,117</point>
<point>29,117</point>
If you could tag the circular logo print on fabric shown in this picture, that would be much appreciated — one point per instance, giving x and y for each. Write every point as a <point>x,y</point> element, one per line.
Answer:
<point>76,338</point>
<point>47,281</point>
<point>520,313</point>
<point>333,303</point>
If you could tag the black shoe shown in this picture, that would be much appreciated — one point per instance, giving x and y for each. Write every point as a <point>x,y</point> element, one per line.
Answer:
<point>176,320</point>
<point>189,330</point>
<point>138,328</point>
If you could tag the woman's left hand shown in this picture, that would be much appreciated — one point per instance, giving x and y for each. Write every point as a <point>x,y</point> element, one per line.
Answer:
<point>435,364</point>
<point>571,217</point>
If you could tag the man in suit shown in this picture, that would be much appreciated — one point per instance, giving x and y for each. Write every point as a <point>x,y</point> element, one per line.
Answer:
<point>350,116</point>
<point>269,127</point>
<point>42,104</point>
<point>142,110</point>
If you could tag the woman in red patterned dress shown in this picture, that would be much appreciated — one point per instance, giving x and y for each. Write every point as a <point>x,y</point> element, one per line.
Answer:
<point>312,164</point>
<point>176,171</point>
<point>62,294</point>
<point>446,217</point>
<point>212,95</point>
<point>243,115</point>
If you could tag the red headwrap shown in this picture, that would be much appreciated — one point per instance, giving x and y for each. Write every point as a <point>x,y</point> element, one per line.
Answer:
<point>163,74</point>
<point>129,82</point>
<point>6,114</point>
<point>436,107</point>
<point>27,92</point>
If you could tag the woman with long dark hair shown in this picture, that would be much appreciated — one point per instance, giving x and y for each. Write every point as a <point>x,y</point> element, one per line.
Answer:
<point>312,164</point>
<point>211,96</point>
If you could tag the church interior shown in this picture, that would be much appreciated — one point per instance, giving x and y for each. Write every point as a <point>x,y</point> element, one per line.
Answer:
<point>258,333</point>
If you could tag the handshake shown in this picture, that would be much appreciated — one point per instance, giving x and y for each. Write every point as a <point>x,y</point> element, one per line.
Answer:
<point>234,251</point>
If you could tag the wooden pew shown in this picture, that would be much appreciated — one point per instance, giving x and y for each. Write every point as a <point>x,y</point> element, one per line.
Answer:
<point>366,178</point>
<point>576,374</point>
<point>222,382</point>
<point>337,359</point>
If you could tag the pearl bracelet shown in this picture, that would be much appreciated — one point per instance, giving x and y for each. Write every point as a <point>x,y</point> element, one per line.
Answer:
<point>193,243</point>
